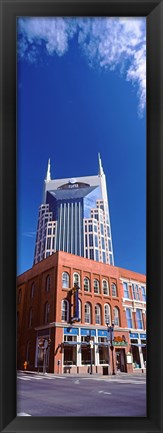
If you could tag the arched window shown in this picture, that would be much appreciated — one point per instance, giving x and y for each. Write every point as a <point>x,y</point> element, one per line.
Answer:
<point>47,287</point>
<point>86,284</point>
<point>114,289</point>
<point>19,296</point>
<point>65,310</point>
<point>96,286</point>
<point>30,318</point>
<point>47,313</point>
<point>98,314</point>
<point>107,314</point>
<point>80,309</point>
<point>76,279</point>
<point>105,287</point>
<point>87,312</point>
<point>32,290</point>
<point>65,280</point>
<point>116,316</point>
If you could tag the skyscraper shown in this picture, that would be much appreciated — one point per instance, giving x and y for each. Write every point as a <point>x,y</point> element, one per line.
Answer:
<point>74,218</point>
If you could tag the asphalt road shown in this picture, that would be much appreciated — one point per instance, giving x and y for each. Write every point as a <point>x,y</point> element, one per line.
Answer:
<point>50,395</point>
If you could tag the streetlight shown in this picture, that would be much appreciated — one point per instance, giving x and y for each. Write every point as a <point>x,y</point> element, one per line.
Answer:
<point>111,334</point>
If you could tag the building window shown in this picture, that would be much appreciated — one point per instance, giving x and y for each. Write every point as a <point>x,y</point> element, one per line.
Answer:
<point>114,289</point>
<point>48,243</point>
<point>87,311</point>
<point>47,313</point>
<point>97,255</point>
<point>107,314</point>
<point>103,243</point>
<point>90,228</point>
<point>135,291</point>
<point>103,257</point>
<point>30,318</point>
<point>143,293</point>
<point>91,240</point>
<point>77,279</point>
<point>96,241</point>
<point>19,296</point>
<point>129,317</point>
<point>139,318</point>
<point>109,242</point>
<point>98,314</point>
<point>65,310</point>
<point>111,259</point>
<point>86,284</point>
<point>105,287</point>
<point>96,286</point>
<point>102,229</point>
<point>125,290</point>
<point>47,287</point>
<point>116,316</point>
<point>91,254</point>
<point>32,290</point>
<point>65,280</point>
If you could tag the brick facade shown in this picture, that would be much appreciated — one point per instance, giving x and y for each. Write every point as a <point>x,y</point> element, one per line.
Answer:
<point>39,309</point>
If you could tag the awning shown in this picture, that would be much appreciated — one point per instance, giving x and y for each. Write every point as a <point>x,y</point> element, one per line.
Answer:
<point>138,344</point>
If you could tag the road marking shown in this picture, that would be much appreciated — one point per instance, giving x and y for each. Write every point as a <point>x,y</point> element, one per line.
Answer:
<point>77,381</point>
<point>110,379</point>
<point>104,392</point>
<point>23,414</point>
<point>24,378</point>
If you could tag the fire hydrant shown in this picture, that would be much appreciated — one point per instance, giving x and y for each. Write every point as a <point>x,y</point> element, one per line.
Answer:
<point>25,365</point>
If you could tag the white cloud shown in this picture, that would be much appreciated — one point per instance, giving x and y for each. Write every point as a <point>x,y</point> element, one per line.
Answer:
<point>108,43</point>
<point>29,234</point>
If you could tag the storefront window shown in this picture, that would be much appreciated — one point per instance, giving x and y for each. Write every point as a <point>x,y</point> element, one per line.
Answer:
<point>103,350</point>
<point>135,353</point>
<point>70,350</point>
<point>143,342</point>
<point>86,352</point>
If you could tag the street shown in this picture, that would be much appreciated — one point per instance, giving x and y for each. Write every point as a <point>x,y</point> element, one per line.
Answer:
<point>53,395</point>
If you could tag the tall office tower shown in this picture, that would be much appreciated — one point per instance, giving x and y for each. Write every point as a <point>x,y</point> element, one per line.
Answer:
<point>74,217</point>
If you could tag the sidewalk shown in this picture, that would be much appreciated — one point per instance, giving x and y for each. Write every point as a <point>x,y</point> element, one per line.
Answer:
<point>87,375</point>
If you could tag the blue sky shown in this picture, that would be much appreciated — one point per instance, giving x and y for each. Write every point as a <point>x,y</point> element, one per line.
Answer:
<point>81,89</point>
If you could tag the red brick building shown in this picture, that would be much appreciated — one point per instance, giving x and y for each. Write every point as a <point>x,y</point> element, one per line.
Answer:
<point>106,294</point>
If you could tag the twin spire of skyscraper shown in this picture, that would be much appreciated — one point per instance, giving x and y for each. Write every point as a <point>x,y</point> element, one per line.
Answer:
<point>48,174</point>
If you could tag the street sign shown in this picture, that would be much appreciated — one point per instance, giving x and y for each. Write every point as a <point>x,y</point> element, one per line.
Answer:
<point>91,344</point>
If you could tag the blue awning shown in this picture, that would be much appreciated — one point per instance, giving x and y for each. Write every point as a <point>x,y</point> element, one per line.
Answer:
<point>138,344</point>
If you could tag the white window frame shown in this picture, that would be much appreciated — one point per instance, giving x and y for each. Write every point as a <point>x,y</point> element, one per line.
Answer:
<point>98,314</point>
<point>87,312</point>
<point>66,280</point>
<point>113,285</point>
<point>87,289</point>
<point>98,286</point>
<point>116,316</point>
<point>78,275</point>
<point>64,311</point>
<point>105,288</point>
<point>107,316</point>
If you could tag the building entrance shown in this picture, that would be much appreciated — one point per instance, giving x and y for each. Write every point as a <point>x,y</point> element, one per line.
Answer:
<point>120,360</point>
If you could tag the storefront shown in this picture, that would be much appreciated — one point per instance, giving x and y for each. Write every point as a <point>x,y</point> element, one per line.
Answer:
<point>138,350</point>
<point>85,350</point>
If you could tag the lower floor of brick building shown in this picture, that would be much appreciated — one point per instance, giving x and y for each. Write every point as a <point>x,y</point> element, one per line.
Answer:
<point>74,349</point>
